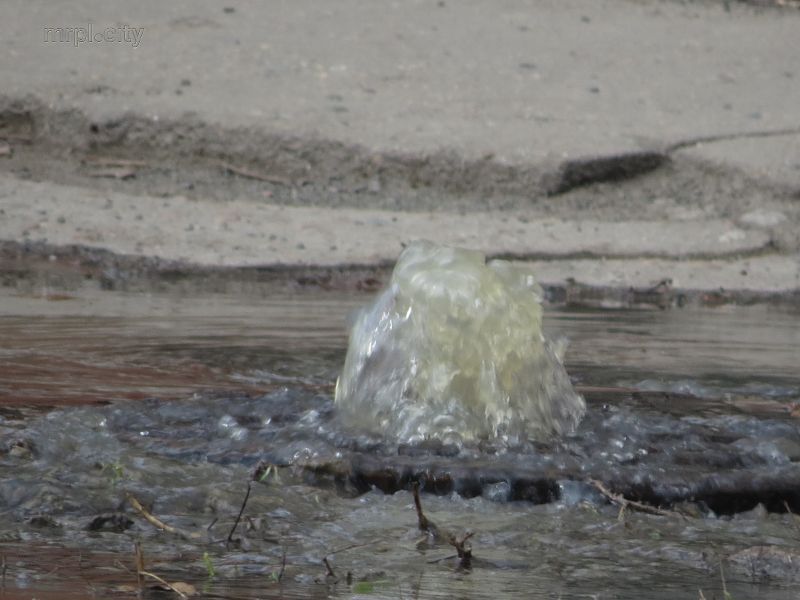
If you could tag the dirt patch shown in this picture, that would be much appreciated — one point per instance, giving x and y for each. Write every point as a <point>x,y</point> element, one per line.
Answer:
<point>190,160</point>
<point>195,159</point>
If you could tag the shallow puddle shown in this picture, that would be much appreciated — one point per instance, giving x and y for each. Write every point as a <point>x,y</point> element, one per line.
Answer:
<point>177,400</point>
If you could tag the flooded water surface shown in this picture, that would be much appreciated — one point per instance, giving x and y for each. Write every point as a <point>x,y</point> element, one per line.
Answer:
<point>181,403</point>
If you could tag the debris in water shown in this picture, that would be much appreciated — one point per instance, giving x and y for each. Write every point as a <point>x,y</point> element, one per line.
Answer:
<point>453,349</point>
<point>158,523</point>
<point>461,544</point>
<point>184,590</point>
<point>624,503</point>
<point>241,511</point>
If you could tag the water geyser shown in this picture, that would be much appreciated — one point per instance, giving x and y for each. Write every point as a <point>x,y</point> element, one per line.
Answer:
<point>453,349</point>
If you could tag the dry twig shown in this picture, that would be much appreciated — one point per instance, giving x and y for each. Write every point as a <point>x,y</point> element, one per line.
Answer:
<point>107,161</point>
<point>241,172</point>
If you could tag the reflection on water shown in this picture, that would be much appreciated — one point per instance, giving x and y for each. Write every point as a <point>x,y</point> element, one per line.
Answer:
<point>104,347</point>
<point>202,389</point>
<point>724,349</point>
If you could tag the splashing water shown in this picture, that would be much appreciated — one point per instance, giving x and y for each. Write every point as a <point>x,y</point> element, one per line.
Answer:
<point>453,349</point>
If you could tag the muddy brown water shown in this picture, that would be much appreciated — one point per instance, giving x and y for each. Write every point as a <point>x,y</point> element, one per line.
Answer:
<point>177,399</point>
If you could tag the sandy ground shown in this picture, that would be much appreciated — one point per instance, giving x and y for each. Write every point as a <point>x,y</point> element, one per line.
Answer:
<point>615,144</point>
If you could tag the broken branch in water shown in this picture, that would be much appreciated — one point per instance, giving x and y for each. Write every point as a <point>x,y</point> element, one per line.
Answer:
<point>158,523</point>
<point>623,502</point>
<point>424,523</point>
<point>241,510</point>
<point>328,566</point>
<point>184,590</point>
<point>283,566</point>
<point>794,517</point>
<point>463,549</point>
<point>262,471</point>
<point>139,560</point>
<point>330,576</point>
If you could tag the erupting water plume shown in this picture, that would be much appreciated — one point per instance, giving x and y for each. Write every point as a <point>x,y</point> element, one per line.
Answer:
<point>453,349</point>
